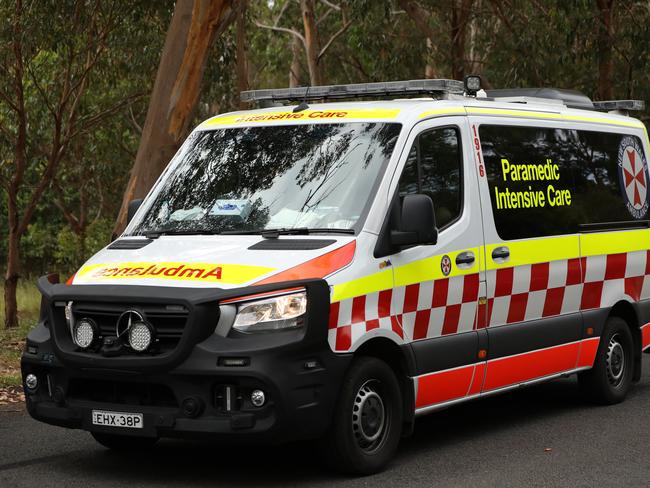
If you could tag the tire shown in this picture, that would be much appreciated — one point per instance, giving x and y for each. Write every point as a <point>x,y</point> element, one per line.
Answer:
<point>367,423</point>
<point>124,443</point>
<point>609,381</point>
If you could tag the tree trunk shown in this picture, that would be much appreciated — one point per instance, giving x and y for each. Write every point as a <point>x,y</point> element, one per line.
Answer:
<point>242,53</point>
<point>429,69</point>
<point>312,46</point>
<point>175,93</point>
<point>460,13</point>
<point>421,18</point>
<point>13,188</point>
<point>11,280</point>
<point>605,39</point>
<point>295,70</point>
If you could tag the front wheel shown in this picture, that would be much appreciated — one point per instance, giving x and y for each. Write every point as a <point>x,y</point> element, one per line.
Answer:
<point>367,421</point>
<point>117,442</point>
<point>611,376</point>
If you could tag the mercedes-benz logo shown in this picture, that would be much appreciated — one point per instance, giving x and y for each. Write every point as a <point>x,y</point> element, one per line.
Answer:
<point>126,319</point>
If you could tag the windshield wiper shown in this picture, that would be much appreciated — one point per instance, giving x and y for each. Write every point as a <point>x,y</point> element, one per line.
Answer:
<point>266,233</point>
<point>295,231</point>
<point>154,234</point>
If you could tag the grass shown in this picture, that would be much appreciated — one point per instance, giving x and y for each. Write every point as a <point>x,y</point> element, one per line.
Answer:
<point>12,340</point>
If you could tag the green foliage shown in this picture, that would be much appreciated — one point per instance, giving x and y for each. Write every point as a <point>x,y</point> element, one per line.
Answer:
<point>512,43</point>
<point>12,340</point>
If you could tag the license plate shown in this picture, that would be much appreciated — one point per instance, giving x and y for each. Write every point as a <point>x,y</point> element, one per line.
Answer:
<point>117,419</point>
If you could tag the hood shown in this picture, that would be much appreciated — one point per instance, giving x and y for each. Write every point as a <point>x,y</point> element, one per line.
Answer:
<point>216,261</point>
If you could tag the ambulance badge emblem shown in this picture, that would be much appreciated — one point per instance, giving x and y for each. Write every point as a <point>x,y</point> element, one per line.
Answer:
<point>445,265</point>
<point>633,177</point>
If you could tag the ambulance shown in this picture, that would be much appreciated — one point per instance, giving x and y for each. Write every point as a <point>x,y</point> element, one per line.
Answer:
<point>343,259</point>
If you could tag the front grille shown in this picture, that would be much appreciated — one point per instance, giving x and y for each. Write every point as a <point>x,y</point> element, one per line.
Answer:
<point>142,394</point>
<point>168,320</point>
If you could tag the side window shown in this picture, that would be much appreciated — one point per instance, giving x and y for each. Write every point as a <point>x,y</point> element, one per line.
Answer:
<point>434,167</point>
<point>546,181</point>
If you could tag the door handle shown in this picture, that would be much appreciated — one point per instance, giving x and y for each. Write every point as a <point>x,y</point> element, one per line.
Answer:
<point>465,258</point>
<point>501,253</point>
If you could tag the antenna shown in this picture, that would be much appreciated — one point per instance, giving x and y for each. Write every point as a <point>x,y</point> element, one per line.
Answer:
<point>303,105</point>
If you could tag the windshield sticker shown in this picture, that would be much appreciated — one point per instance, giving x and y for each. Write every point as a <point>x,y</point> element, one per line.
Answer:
<point>304,115</point>
<point>633,177</point>
<point>234,208</point>
<point>204,272</point>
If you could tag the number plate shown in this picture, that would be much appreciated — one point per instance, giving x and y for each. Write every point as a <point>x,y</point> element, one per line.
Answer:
<point>117,419</point>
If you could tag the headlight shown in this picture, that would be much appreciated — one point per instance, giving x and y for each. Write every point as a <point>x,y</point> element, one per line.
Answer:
<point>277,313</point>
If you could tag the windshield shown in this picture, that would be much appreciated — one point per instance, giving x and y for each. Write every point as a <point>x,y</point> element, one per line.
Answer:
<point>252,179</point>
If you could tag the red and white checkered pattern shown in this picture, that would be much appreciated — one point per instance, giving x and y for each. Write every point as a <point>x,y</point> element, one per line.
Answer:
<point>535,291</point>
<point>417,311</point>
<point>514,294</point>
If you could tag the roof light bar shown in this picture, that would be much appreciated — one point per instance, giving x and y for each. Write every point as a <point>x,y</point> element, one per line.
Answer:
<point>359,90</point>
<point>620,105</point>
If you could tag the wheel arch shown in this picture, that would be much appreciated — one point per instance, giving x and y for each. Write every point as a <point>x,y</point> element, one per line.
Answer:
<point>627,312</point>
<point>401,360</point>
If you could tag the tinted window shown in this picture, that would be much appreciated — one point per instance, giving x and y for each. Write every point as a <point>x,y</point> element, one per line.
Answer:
<point>434,168</point>
<point>549,181</point>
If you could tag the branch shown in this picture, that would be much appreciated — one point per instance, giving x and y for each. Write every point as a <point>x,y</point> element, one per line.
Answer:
<point>40,91</point>
<point>282,29</point>
<point>137,126</point>
<point>331,5</point>
<point>69,216</point>
<point>87,123</point>
<point>333,38</point>
<point>419,16</point>
<point>8,101</point>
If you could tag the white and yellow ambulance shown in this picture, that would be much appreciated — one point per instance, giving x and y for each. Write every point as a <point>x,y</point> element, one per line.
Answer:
<point>333,270</point>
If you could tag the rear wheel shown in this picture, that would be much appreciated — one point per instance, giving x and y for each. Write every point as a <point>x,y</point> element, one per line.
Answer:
<point>117,442</point>
<point>609,381</point>
<point>368,419</point>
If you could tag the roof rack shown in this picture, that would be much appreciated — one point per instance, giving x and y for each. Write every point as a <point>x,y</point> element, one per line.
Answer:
<point>359,90</point>
<point>570,98</point>
<point>610,105</point>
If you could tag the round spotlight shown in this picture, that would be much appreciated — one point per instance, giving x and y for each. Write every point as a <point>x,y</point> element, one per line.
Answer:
<point>31,382</point>
<point>84,333</point>
<point>140,336</point>
<point>258,398</point>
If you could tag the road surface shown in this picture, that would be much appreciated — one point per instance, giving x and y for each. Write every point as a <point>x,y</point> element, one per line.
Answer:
<point>544,435</point>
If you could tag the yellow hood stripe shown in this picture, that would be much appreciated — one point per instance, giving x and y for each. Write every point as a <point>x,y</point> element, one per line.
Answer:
<point>205,272</point>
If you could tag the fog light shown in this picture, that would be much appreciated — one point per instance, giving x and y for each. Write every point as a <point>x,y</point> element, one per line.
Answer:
<point>192,407</point>
<point>84,333</point>
<point>31,382</point>
<point>258,398</point>
<point>140,336</point>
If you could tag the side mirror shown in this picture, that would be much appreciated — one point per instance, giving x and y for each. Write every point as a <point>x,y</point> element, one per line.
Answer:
<point>134,205</point>
<point>418,222</point>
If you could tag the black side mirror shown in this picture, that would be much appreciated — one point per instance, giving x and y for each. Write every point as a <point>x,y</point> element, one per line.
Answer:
<point>418,222</point>
<point>134,205</point>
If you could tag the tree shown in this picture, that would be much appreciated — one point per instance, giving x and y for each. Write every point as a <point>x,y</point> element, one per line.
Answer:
<point>422,20</point>
<point>192,31</point>
<point>243,76</point>
<point>309,38</point>
<point>605,40</point>
<point>44,84</point>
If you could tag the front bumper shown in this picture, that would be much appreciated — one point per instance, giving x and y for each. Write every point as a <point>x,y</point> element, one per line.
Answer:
<point>296,370</point>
